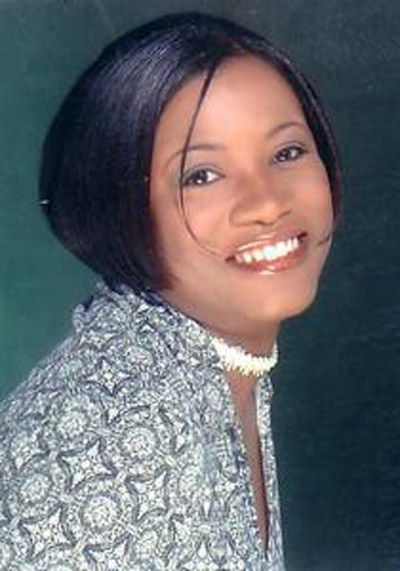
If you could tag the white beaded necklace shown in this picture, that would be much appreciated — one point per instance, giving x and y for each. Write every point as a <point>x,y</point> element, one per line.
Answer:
<point>235,358</point>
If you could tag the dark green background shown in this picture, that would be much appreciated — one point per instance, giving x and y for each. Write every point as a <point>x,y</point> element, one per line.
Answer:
<point>337,387</point>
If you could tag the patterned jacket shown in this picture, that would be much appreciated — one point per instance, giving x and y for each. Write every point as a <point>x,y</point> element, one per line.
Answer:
<point>122,451</point>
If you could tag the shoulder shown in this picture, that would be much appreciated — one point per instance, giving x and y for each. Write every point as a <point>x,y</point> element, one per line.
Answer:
<point>113,364</point>
<point>89,441</point>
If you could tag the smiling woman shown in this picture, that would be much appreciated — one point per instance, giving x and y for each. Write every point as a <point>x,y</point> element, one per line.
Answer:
<point>255,194</point>
<point>194,169</point>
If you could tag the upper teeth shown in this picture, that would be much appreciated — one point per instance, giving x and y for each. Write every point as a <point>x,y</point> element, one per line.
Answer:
<point>269,253</point>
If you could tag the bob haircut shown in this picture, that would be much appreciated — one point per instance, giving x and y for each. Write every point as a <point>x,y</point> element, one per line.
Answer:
<point>96,163</point>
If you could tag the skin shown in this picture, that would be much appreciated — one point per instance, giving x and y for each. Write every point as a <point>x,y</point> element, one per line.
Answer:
<point>252,170</point>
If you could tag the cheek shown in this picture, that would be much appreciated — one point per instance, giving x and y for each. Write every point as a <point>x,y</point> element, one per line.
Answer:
<point>319,197</point>
<point>320,205</point>
<point>174,243</point>
<point>326,209</point>
<point>212,232</point>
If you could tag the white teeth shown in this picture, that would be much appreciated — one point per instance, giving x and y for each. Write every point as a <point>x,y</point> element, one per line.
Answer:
<point>247,257</point>
<point>258,255</point>
<point>281,249</point>
<point>293,244</point>
<point>269,253</point>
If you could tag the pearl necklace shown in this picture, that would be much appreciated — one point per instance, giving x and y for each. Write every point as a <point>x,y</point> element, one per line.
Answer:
<point>235,358</point>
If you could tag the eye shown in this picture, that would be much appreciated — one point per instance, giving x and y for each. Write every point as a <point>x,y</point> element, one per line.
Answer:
<point>200,177</point>
<point>290,153</point>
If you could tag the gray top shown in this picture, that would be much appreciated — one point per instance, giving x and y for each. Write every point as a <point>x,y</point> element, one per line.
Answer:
<point>122,451</point>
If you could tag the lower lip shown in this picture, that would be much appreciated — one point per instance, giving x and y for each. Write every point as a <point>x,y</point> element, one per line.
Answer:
<point>288,262</point>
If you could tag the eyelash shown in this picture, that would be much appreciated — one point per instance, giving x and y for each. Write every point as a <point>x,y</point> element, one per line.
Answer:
<point>189,178</point>
<point>300,151</point>
<point>282,156</point>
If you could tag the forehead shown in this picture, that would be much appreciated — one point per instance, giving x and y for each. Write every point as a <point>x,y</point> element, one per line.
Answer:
<point>245,91</point>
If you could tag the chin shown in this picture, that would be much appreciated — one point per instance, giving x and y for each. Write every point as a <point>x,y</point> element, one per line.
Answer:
<point>286,306</point>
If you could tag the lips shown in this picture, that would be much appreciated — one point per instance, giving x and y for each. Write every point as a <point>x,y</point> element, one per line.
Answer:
<point>271,254</point>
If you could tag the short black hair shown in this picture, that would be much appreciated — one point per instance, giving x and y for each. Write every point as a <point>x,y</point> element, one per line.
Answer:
<point>96,162</point>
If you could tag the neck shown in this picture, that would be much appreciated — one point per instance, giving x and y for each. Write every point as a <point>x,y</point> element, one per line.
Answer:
<point>242,386</point>
<point>257,343</point>
<point>243,391</point>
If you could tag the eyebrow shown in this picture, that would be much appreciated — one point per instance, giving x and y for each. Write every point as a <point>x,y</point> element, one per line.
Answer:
<point>282,126</point>
<point>197,147</point>
<point>215,147</point>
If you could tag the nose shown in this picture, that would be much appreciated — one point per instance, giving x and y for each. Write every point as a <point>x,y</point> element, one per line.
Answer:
<point>259,200</point>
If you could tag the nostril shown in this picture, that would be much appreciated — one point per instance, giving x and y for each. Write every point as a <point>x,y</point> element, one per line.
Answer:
<point>270,220</point>
<point>263,213</point>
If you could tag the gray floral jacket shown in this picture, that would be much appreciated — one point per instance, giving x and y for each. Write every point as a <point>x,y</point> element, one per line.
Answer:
<point>122,451</point>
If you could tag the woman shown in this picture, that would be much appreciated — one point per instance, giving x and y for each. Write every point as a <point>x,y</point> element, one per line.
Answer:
<point>193,168</point>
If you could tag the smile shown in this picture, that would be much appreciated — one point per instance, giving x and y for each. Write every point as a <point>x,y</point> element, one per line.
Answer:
<point>272,257</point>
<point>271,252</point>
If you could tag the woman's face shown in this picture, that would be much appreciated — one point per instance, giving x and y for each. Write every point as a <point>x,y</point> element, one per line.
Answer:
<point>256,194</point>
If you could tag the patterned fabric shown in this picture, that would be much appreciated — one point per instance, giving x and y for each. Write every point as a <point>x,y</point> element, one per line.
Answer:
<point>122,451</point>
